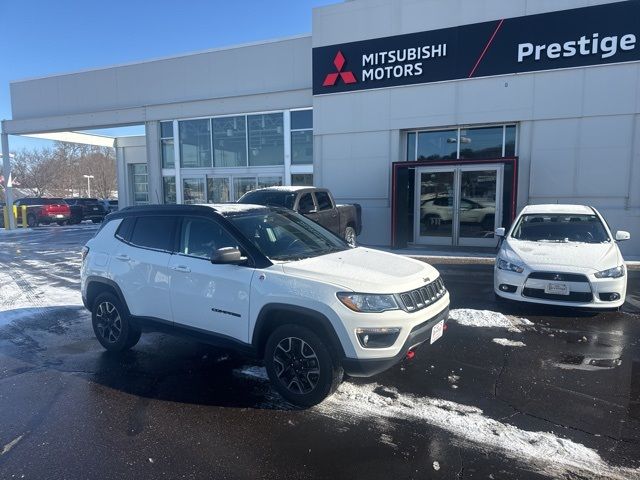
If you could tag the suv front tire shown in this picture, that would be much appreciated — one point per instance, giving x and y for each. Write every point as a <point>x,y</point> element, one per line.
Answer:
<point>111,324</point>
<point>301,366</point>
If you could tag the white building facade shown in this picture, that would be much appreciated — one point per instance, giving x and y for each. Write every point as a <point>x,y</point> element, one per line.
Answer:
<point>441,118</point>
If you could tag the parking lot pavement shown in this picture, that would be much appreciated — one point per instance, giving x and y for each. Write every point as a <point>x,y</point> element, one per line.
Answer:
<point>511,391</point>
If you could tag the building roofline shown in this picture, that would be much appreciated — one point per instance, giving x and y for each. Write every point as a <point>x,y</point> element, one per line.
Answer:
<point>168,57</point>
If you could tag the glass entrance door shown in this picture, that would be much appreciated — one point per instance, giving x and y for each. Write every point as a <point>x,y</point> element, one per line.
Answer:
<point>458,205</point>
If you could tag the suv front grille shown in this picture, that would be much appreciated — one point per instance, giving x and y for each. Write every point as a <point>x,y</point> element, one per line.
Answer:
<point>422,297</point>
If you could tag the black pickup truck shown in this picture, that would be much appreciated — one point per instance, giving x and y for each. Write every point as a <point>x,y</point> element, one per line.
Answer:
<point>317,204</point>
<point>90,209</point>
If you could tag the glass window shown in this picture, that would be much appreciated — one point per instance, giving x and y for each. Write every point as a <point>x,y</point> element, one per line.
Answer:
<point>302,147</point>
<point>153,232</point>
<point>270,197</point>
<point>168,153</point>
<point>169,190</point>
<point>229,142</point>
<point>139,183</point>
<point>438,145</point>
<point>218,190</point>
<point>264,182</point>
<point>510,141</point>
<point>195,143</point>
<point>411,146</point>
<point>193,190</point>
<point>305,204</point>
<point>301,119</point>
<point>483,142</point>
<point>266,139</point>
<point>286,236</point>
<point>242,185</point>
<point>324,201</point>
<point>560,228</point>
<point>199,237</point>
<point>166,129</point>
<point>302,179</point>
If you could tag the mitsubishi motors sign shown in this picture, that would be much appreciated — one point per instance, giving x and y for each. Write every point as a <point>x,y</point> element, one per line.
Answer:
<point>580,37</point>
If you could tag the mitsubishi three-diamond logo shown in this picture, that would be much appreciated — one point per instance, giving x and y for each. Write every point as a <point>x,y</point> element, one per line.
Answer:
<point>347,76</point>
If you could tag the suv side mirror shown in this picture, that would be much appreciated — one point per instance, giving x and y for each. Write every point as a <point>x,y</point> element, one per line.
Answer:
<point>621,235</point>
<point>227,255</point>
<point>500,232</point>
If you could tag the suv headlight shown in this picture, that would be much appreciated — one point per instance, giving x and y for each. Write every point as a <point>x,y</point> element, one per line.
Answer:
<point>368,303</point>
<point>615,272</point>
<point>511,267</point>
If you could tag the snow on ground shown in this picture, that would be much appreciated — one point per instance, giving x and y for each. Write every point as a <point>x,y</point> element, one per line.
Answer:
<point>548,453</point>
<point>508,343</point>
<point>488,319</point>
<point>543,452</point>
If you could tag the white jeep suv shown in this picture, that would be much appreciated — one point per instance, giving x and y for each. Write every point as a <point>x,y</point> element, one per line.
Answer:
<point>265,281</point>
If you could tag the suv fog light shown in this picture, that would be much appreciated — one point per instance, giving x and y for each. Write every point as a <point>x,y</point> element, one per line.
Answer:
<point>377,337</point>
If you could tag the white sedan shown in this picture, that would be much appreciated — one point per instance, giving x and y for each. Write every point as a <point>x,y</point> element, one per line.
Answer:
<point>561,255</point>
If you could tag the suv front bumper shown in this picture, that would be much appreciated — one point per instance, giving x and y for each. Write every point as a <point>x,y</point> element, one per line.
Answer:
<point>366,367</point>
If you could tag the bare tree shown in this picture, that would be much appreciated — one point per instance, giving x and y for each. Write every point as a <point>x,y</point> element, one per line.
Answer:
<point>60,171</point>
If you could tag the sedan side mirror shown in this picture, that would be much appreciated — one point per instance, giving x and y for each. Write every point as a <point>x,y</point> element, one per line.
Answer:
<point>621,235</point>
<point>500,232</point>
<point>228,256</point>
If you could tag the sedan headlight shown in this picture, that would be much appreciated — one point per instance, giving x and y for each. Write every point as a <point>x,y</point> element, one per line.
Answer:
<point>615,272</point>
<point>368,303</point>
<point>511,267</point>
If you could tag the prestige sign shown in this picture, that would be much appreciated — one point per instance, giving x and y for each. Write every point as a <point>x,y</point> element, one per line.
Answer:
<point>580,37</point>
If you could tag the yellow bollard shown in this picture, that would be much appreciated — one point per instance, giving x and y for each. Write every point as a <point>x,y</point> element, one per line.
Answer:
<point>24,216</point>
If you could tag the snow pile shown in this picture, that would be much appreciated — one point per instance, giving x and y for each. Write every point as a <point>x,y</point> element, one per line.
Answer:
<point>546,452</point>
<point>508,343</point>
<point>252,371</point>
<point>488,319</point>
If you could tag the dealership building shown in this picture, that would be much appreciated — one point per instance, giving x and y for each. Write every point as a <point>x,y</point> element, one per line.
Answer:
<point>440,118</point>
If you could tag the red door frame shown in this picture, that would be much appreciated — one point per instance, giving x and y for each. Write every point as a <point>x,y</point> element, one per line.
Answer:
<point>398,165</point>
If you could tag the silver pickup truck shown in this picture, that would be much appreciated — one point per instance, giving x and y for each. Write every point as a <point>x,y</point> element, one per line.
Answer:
<point>317,204</point>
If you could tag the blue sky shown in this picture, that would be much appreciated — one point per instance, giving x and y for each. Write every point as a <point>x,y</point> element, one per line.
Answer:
<point>44,37</point>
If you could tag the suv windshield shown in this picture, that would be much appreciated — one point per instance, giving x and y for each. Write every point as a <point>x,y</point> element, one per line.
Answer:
<point>282,235</point>
<point>560,228</point>
<point>277,199</point>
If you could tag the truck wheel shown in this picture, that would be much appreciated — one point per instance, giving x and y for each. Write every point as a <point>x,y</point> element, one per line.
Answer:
<point>300,365</point>
<point>31,221</point>
<point>96,220</point>
<point>350,236</point>
<point>111,325</point>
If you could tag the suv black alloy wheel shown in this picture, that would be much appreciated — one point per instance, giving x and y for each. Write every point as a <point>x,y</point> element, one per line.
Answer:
<point>301,365</point>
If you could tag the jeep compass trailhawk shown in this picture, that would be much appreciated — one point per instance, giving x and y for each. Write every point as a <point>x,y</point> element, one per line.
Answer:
<point>265,281</point>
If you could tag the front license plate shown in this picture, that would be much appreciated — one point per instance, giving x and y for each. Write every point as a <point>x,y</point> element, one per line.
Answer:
<point>557,289</point>
<point>436,331</point>
<point>59,216</point>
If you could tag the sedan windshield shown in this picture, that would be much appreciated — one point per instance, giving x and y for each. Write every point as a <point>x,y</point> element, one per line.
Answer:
<point>560,228</point>
<point>283,236</point>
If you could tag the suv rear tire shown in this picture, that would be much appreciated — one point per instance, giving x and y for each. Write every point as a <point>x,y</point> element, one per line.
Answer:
<point>111,324</point>
<point>300,365</point>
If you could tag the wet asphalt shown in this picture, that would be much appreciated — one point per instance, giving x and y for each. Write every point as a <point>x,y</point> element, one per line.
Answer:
<point>171,408</point>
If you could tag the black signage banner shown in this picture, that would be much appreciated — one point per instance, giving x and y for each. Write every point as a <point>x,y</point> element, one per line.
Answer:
<point>579,37</point>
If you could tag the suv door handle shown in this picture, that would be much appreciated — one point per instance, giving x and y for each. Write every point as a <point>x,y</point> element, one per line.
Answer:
<point>124,258</point>
<point>181,268</point>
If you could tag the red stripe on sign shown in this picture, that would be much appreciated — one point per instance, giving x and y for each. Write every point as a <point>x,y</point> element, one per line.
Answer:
<point>330,80</point>
<point>347,77</point>
<point>486,48</point>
